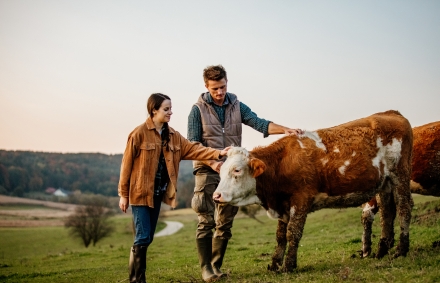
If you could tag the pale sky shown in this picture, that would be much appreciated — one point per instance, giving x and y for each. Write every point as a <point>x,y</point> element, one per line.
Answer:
<point>75,75</point>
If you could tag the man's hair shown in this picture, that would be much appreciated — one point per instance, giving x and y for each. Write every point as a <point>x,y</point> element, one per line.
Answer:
<point>214,73</point>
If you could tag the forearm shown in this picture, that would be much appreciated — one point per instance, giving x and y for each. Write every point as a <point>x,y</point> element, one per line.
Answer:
<point>275,129</point>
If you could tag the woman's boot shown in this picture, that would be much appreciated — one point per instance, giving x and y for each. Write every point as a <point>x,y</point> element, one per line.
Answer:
<point>131,268</point>
<point>137,264</point>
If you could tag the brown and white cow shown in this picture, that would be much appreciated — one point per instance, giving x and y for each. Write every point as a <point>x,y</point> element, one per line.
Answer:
<point>425,176</point>
<point>342,166</point>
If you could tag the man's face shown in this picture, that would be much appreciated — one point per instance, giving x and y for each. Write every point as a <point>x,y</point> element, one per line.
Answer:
<point>218,90</point>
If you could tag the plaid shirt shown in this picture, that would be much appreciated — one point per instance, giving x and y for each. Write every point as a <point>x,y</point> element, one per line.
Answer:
<point>161,179</point>
<point>247,117</point>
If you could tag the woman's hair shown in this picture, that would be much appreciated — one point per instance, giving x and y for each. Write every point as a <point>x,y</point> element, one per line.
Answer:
<point>154,102</point>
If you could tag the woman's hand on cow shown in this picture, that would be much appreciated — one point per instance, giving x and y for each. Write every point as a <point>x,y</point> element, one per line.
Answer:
<point>216,165</point>
<point>225,151</point>
<point>123,204</point>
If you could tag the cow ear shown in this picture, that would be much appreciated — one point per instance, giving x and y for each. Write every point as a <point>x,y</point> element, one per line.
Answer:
<point>257,167</point>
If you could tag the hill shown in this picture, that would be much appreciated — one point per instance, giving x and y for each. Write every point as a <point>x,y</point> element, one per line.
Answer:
<point>29,174</point>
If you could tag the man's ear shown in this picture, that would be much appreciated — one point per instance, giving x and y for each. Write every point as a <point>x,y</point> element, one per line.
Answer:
<point>257,167</point>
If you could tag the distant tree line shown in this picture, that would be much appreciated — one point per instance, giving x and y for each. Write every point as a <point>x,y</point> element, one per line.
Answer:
<point>27,173</point>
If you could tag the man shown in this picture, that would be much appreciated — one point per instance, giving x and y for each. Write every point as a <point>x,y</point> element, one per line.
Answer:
<point>216,121</point>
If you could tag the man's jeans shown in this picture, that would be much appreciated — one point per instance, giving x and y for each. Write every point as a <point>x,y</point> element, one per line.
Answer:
<point>145,221</point>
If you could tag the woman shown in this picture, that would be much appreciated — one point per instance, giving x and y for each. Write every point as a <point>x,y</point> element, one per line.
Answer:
<point>149,170</point>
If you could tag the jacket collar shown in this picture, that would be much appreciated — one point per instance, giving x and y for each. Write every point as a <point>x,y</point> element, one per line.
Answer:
<point>208,98</point>
<point>150,125</point>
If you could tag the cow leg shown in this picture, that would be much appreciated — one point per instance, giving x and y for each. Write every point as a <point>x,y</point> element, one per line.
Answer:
<point>404,203</point>
<point>295,229</point>
<point>387,210</point>
<point>369,211</point>
<point>278,255</point>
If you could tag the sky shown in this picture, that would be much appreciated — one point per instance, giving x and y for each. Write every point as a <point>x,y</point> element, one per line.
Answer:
<point>75,75</point>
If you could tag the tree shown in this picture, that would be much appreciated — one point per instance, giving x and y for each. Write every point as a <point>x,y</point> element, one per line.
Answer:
<point>90,223</point>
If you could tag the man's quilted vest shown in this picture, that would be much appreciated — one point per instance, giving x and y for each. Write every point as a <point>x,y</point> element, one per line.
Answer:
<point>214,134</point>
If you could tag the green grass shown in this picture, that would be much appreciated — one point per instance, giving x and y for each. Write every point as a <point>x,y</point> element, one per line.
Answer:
<point>328,252</point>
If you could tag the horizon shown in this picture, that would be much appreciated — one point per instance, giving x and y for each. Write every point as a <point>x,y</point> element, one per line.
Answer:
<point>75,75</point>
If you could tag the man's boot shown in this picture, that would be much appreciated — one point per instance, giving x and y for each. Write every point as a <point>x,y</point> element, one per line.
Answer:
<point>137,264</point>
<point>204,248</point>
<point>218,252</point>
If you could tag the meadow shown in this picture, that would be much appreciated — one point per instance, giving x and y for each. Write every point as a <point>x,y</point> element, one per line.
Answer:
<point>328,252</point>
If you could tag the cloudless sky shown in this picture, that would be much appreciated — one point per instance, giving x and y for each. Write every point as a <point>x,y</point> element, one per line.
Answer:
<point>75,75</point>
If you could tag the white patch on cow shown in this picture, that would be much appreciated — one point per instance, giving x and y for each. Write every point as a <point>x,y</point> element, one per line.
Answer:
<point>316,138</point>
<point>344,167</point>
<point>353,154</point>
<point>292,211</point>
<point>272,214</point>
<point>324,161</point>
<point>336,149</point>
<point>367,212</point>
<point>301,144</point>
<point>388,155</point>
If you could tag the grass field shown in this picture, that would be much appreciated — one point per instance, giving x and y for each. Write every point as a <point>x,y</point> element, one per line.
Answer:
<point>328,252</point>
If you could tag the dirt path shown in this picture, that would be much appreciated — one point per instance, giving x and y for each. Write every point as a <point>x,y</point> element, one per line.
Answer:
<point>171,228</point>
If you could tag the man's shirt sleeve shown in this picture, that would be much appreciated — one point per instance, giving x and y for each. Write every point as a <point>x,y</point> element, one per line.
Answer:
<point>251,119</point>
<point>194,125</point>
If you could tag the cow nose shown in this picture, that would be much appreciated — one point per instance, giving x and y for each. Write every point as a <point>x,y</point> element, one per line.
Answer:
<point>216,196</point>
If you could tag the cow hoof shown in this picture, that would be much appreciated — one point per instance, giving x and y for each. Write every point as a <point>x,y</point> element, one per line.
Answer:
<point>273,267</point>
<point>363,254</point>
<point>289,269</point>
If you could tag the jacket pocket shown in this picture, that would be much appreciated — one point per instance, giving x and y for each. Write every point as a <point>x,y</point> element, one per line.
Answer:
<point>202,202</point>
<point>146,167</point>
<point>198,202</point>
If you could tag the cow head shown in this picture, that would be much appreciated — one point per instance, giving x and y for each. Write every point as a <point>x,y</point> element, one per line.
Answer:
<point>237,178</point>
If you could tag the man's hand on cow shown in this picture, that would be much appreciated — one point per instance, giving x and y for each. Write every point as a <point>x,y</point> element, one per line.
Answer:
<point>123,204</point>
<point>296,132</point>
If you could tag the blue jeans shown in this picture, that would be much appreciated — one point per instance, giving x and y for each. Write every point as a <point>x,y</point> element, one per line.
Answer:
<point>145,221</point>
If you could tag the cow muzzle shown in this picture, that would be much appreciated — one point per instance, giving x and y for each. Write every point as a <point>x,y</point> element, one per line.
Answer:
<point>217,197</point>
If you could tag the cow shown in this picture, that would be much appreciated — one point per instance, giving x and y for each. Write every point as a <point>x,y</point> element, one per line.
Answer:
<point>425,176</point>
<point>338,167</point>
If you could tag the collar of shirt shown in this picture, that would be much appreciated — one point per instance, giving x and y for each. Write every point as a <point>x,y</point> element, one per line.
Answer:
<point>208,98</point>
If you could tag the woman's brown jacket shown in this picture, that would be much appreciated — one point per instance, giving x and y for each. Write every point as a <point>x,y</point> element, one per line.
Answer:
<point>141,159</point>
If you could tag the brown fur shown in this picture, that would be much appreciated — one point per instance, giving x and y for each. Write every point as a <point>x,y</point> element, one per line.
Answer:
<point>425,177</point>
<point>296,178</point>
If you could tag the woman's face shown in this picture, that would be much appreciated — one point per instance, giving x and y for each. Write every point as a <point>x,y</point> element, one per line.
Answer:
<point>163,114</point>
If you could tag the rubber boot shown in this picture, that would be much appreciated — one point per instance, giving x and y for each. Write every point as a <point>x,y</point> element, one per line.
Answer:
<point>137,264</point>
<point>131,268</point>
<point>204,248</point>
<point>218,253</point>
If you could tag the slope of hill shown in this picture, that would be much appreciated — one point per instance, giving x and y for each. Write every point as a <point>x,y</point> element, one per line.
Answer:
<point>27,173</point>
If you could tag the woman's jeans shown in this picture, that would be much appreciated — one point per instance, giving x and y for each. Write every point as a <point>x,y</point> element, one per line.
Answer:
<point>145,221</point>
